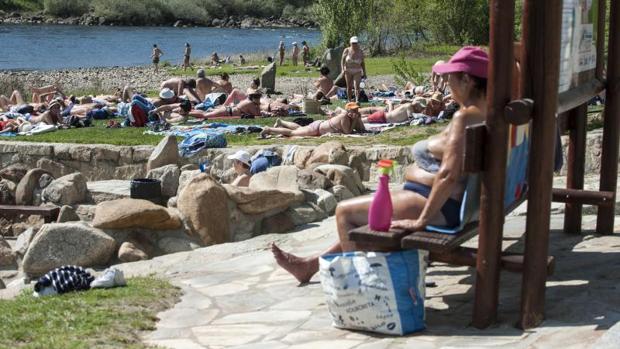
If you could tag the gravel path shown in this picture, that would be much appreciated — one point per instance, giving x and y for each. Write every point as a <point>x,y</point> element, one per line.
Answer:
<point>142,78</point>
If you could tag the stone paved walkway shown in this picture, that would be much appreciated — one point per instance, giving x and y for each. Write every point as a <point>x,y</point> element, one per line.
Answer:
<point>237,297</point>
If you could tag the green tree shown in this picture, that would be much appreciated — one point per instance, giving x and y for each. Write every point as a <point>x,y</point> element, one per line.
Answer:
<point>341,19</point>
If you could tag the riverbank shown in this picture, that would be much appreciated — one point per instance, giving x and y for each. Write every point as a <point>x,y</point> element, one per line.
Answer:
<point>88,81</point>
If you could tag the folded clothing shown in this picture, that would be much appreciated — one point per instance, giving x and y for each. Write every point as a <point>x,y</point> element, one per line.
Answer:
<point>66,278</point>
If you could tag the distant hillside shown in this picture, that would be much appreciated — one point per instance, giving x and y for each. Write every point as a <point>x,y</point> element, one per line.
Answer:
<point>160,12</point>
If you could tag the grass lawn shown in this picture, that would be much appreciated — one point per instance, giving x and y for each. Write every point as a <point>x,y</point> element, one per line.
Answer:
<point>111,318</point>
<point>98,134</point>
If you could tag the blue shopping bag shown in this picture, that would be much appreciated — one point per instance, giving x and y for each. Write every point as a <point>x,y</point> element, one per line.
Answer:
<point>377,292</point>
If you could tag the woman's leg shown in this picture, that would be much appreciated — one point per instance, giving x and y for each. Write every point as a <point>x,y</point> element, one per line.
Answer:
<point>4,103</point>
<point>348,78</point>
<point>276,131</point>
<point>235,97</point>
<point>332,92</point>
<point>217,113</point>
<point>16,98</point>
<point>350,214</point>
<point>357,79</point>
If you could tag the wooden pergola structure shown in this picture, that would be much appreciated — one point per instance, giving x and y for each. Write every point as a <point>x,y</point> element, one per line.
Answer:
<point>518,96</point>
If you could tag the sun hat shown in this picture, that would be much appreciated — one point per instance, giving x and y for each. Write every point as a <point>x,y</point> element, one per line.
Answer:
<point>437,96</point>
<point>351,106</point>
<point>354,40</point>
<point>294,42</point>
<point>166,93</point>
<point>201,73</point>
<point>471,60</point>
<point>241,155</point>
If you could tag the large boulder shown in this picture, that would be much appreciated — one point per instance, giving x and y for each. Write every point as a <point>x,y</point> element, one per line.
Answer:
<point>166,153</point>
<point>27,185</point>
<point>329,153</point>
<point>311,180</point>
<point>343,175</point>
<point>282,178</point>
<point>60,244</point>
<point>7,192</point>
<point>268,78</point>
<point>325,200</point>
<point>332,58</point>
<point>169,178</point>
<point>131,251</point>
<point>56,168</point>
<point>67,190</point>
<point>301,156</point>
<point>306,213</point>
<point>176,244</point>
<point>341,192</point>
<point>204,204</point>
<point>257,201</point>
<point>23,241</point>
<point>134,213</point>
<point>67,214</point>
<point>278,224</point>
<point>14,173</point>
<point>7,256</point>
<point>185,177</point>
<point>359,163</point>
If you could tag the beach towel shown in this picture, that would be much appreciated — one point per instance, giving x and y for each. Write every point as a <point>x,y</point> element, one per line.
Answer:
<point>195,143</point>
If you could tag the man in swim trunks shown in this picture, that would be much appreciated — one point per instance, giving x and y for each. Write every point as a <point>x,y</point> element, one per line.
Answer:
<point>155,55</point>
<point>249,106</point>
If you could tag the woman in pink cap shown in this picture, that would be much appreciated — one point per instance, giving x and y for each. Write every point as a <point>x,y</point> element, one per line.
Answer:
<point>434,183</point>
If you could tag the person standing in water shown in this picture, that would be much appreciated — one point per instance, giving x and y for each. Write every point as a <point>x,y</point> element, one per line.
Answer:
<point>155,56</point>
<point>186,54</point>
<point>282,52</point>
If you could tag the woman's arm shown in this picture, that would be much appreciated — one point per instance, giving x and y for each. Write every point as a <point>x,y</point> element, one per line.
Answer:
<point>446,179</point>
<point>344,57</point>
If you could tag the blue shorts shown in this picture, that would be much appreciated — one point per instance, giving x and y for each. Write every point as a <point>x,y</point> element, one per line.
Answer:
<point>451,210</point>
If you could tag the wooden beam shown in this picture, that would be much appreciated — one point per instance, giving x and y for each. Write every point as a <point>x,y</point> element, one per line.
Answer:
<point>600,38</point>
<point>466,256</point>
<point>584,197</point>
<point>579,95</point>
<point>501,62</point>
<point>473,159</point>
<point>576,168</point>
<point>611,126</point>
<point>541,61</point>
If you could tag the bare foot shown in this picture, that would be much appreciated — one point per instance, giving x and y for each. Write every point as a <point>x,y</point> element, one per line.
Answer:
<point>301,268</point>
<point>278,123</point>
<point>264,133</point>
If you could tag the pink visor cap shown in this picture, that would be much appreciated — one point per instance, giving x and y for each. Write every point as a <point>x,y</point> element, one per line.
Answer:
<point>471,60</point>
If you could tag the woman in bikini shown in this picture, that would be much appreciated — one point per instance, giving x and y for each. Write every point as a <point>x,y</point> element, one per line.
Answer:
<point>435,182</point>
<point>343,123</point>
<point>249,106</point>
<point>353,67</point>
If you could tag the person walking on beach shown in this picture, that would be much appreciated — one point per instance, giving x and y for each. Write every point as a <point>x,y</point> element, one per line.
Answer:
<point>155,56</point>
<point>282,52</point>
<point>295,55</point>
<point>305,55</point>
<point>186,54</point>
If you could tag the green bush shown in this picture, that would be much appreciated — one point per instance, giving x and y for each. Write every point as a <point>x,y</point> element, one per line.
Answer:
<point>405,71</point>
<point>66,8</point>
<point>21,5</point>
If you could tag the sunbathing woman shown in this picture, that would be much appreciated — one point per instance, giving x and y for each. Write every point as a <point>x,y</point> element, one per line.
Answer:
<point>353,68</point>
<point>49,117</point>
<point>343,123</point>
<point>174,113</point>
<point>277,107</point>
<point>325,85</point>
<point>249,106</point>
<point>236,95</point>
<point>46,93</point>
<point>223,85</point>
<point>435,182</point>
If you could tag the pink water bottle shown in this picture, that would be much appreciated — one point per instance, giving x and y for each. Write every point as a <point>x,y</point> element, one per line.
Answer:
<point>380,211</point>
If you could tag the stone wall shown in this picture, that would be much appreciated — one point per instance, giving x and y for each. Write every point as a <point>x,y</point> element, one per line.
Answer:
<point>103,162</point>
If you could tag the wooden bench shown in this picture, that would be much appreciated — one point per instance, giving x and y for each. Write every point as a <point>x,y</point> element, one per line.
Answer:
<point>49,214</point>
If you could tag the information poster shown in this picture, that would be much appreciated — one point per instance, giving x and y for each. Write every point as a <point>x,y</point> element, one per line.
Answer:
<point>578,42</point>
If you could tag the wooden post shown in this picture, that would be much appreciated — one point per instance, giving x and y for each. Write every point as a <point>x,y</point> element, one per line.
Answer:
<point>576,165</point>
<point>611,126</point>
<point>600,39</point>
<point>541,57</point>
<point>493,177</point>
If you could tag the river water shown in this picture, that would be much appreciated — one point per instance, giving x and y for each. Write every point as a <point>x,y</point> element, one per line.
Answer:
<point>44,47</point>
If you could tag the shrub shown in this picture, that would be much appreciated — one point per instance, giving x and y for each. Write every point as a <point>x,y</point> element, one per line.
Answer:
<point>66,8</point>
<point>405,71</point>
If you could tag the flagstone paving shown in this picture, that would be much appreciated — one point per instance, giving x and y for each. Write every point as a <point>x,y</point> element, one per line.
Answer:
<point>235,296</point>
